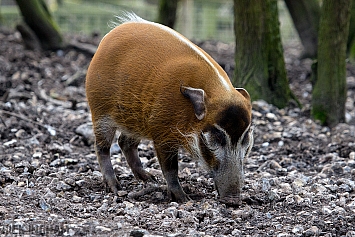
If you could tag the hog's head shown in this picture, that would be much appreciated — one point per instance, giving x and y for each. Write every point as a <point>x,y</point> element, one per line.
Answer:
<point>225,140</point>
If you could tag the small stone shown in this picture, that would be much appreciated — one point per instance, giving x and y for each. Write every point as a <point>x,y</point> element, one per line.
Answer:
<point>9,143</point>
<point>271,116</point>
<point>128,204</point>
<point>313,231</point>
<point>21,184</point>
<point>103,207</point>
<point>3,211</point>
<point>80,183</point>
<point>345,188</point>
<point>20,133</point>
<point>56,163</point>
<point>138,233</point>
<point>115,149</point>
<point>352,155</point>
<point>274,165</point>
<point>297,229</point>
<point>326,210</point>
<point>122,193</point>
<point>283,235</point>
<point>69,232</point>
<point>298,199</point>
<point>76,199</point>
<point>97,173</point>
<point>44,205</point>
<point>70,181</point>
<point>87,132</point>
<point>103,229</point>
<point>49,194</point>
<point>62,186</point>
<point>236,232</point>
<point>265,186</point>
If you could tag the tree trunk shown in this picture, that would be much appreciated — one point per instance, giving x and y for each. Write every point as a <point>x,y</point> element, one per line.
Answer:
<point>329,93</point>
<point>305,15</point>
<point>167,12</point>
<point>351,39</point>
<point>260,66</point>
<point>37,16</point>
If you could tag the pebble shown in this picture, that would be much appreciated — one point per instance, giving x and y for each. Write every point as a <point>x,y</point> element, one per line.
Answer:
<point>62,186</point>
<point>97,173</point>
<point>103,229</point>
<point>313,231</point>
<point>87,132</point>
<point>9,143</point>
<point>44,205</point>
<point>297,229</point>
<point>76,199</point>
<point>138,233</point>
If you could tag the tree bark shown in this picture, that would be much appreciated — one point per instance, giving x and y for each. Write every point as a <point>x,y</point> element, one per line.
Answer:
<point>260,66</point>
<point>351,39</point>
<point>37,16</point>
<point>329,93</point>
<point>167,12</point>
<point>305,15</point>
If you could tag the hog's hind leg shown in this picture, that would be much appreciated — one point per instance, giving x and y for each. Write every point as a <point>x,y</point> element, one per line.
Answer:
<point>105,130</point>
<point>129,147</point>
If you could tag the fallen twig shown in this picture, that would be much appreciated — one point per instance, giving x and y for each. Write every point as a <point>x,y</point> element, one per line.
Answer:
<point>135,195</point>
<point>47,127</point>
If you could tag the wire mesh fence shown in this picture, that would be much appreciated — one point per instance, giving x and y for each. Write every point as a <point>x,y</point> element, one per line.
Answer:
<point>196,19</point>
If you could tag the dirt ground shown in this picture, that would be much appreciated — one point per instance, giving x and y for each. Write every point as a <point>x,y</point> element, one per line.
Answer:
<point>299,177</point>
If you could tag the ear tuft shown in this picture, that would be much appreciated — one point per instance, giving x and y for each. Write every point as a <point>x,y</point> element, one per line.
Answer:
<point>244,92</point>
<point>197,98</point>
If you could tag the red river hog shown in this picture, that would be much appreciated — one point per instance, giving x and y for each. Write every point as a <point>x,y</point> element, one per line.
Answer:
<point>148,81</point>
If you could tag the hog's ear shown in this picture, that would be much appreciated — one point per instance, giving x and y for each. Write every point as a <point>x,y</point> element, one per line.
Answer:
<point>243,92</point>
<point>197,98</point>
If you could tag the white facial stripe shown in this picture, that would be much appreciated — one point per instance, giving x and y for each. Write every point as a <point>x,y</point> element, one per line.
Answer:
<point>131,17</point>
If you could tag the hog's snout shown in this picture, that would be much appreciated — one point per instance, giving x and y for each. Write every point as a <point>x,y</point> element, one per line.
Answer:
<point>229,186</point>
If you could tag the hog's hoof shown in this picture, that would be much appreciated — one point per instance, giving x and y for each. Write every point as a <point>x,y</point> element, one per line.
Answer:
<point>232,201</point>
<point>144,176</point>
<point>112,186</point>
<point>178,196</point>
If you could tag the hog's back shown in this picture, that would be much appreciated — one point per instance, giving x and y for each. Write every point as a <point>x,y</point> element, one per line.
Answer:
<point>135,77</point>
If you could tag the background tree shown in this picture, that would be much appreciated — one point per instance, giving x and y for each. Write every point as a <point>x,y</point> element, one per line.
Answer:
<point>39,25</point>
<point>260,66</point>
<point>167,12</point>
<point>329,92</point>
<point>305,15</point>
<point>351,38</point>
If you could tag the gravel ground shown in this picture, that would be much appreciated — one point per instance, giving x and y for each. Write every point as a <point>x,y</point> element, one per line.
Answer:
<point>299,178</point>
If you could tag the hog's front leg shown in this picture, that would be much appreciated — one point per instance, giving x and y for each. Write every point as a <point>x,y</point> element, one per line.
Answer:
<point>168,159</point>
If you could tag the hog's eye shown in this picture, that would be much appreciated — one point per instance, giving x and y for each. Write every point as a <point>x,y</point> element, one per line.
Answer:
<point>219,137</point>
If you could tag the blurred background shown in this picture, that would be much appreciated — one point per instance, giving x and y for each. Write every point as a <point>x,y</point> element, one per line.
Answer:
<point>196,19</point>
